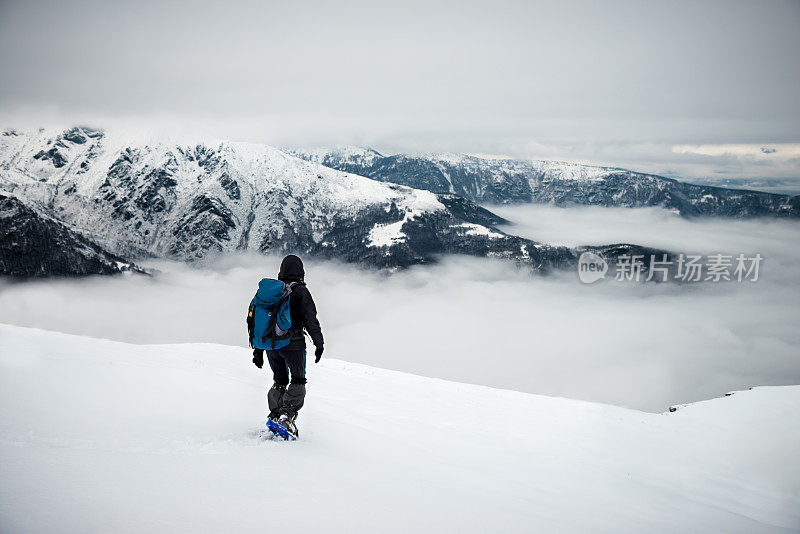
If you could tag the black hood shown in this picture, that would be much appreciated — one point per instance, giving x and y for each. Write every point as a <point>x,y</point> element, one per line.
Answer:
<point>291,269</point>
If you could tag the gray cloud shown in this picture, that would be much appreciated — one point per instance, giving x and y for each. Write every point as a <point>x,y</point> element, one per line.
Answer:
<point>466,76</point>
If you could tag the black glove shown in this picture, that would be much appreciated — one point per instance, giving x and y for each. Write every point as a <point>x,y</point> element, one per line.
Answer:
<point>258,357</point>
<point>318,353</point>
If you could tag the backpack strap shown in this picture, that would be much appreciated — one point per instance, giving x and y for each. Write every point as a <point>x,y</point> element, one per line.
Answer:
<point>251,322</point>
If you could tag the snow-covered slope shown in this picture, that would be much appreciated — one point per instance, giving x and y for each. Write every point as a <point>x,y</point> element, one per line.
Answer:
<point>100,436</point>
<point>502,180</point>
<point>35,245</point>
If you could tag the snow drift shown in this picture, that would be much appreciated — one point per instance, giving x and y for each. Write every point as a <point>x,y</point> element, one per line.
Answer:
<point>105,436</point>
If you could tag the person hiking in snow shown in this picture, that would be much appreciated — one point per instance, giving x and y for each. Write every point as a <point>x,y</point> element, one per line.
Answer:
<point>288,362</point>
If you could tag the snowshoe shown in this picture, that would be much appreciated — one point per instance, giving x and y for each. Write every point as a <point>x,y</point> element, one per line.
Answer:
<point>283,427</point>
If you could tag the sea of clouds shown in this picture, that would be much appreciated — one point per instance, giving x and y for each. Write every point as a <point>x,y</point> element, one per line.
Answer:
<point>484,321</point>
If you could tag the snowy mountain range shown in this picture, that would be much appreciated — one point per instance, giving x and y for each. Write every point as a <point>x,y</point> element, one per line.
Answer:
<point>171,438</point>
<point>138,196</point>
<point>504,180</point>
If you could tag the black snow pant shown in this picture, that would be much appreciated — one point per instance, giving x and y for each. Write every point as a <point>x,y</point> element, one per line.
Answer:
<point>283,399</point>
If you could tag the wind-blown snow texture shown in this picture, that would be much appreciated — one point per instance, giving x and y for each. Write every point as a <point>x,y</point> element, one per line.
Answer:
<point>503,180</point>
<point>139,196</point>
<point>101,436</point>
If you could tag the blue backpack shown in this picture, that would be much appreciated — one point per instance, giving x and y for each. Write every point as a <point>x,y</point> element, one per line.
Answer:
<point>268,317</point>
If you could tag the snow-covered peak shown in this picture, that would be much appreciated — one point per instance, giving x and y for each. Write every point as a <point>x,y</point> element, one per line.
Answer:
<point>563,170</point>
<point>560,170</point>
<point>148,194</point>
<point>341,153</point>
<point>52,156</point>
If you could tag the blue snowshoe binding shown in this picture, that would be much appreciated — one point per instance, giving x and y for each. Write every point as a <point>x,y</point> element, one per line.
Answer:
<point>283,427</point>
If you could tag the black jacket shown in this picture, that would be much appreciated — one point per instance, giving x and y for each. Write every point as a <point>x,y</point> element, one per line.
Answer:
<point>304,315</point>
<point>301,305</point>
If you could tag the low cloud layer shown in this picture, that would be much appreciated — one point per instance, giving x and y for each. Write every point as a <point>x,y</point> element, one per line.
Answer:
<point>656,227</point>
<point>482,321</point>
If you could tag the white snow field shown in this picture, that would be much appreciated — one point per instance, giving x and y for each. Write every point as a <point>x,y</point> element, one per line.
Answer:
<point>102,436</point>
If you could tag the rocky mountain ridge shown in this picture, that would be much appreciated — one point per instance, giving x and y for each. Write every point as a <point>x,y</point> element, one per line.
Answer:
<point>504,180</point>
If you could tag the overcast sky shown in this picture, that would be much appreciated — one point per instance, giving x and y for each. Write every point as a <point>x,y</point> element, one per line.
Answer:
<point>682,88</point>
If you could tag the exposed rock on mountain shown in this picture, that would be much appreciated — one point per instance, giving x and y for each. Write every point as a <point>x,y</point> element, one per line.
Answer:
<point>34,245</point>
<point>501,180</point>
<point>139,196</point>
